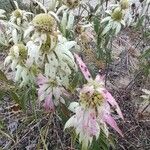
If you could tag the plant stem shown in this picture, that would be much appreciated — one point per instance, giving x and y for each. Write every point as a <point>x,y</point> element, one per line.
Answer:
<point>145,107</point>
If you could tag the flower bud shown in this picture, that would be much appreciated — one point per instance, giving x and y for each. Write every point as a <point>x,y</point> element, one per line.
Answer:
<point>17,13</point>
<point>117,14</point>
<point>124,4</point>
<point>19,51</point>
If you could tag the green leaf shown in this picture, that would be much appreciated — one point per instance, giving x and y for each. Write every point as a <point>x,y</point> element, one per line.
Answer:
<point>63,23</point>
<point>2,94</point>
<point>139,22</point>
<point>96,24</point>
<point>101,144</point>
<point>1,124</point>
<point>25,96</point>
<point>74,82</point>
<point>15,97</point>
<point>4,79</point>
<point>3,76</point>
<point>146,54</point>
<point>63,113</point>
<point>96,7</point>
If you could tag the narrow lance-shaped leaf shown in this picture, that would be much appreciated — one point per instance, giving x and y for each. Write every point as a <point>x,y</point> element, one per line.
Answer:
<point>110,120</point>
<point>83,68</point>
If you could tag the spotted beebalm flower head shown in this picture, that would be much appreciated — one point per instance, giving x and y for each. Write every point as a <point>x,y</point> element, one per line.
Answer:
<point>17,55</point>
<point>43,39</point>
<point>92,113</point>
<point>117,14</point>
<point>115,20</point>
<point>43,22</point>
<point>53,53</point>
<point>16,60</point>
<point>50,92</point>
<point>18,15</point>
<point>50,50</point>
<point>41,28</point>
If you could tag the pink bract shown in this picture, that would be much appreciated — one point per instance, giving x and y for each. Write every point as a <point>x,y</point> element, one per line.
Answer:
<point>48,104</point>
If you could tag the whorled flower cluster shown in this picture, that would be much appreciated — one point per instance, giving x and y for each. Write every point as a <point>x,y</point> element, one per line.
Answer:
<point>92,112</point>
<point>16,60</point>
<point>49,50</point>
<point>116,17</point>
<point>15,26</point>
<point>41,56</point>
<point>18,16</point>
<point>43,51</point>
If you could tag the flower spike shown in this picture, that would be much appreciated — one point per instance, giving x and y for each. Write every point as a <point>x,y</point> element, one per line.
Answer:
<point>92,113</point>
